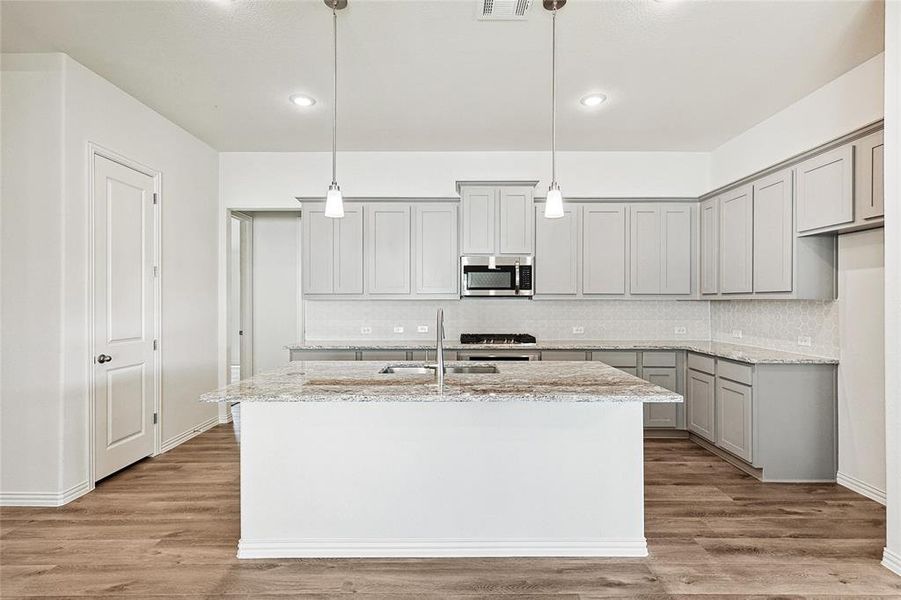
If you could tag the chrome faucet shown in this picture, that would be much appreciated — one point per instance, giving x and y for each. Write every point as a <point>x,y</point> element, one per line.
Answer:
<point>439,350</point>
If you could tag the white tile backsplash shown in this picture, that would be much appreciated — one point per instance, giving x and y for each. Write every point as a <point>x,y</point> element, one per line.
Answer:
<point>778,324</point>
<point>546,319</point>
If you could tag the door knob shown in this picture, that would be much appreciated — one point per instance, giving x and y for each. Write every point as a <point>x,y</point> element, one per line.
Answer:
<point>104,358</point>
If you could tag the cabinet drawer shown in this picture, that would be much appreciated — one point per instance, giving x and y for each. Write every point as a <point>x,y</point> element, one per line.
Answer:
<point>562,355</point>
<point>323,355</point>
<point>384,355</point>
<point>734,371</point>
<point>658,359</point>
<point>700,362</point>
<point>616,358</point>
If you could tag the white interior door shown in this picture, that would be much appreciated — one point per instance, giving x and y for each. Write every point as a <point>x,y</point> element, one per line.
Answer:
<point>240,297</point>
<point>123,316</point>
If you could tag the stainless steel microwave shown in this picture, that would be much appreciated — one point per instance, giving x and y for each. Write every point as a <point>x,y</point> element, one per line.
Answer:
<point>496,276</point>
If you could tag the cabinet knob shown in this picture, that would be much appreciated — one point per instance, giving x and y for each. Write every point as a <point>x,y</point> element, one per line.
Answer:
<point>104,358</point>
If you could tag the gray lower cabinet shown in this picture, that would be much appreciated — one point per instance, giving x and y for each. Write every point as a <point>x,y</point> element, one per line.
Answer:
<point>557,253</point>
<point>324,354</point>
<point>869,178</point>
<point>826,189</point>
<point>736,241</point>
<point>563,355</point>
<point>388,248</point>
<point>604,249</point>
<point>700,398</point>
<point>435,255</point>
<point>333,251</point>
<point>660,414</point>
<point>709,245</point>
<point>774,233</point>
<point>399,355</point>
<point>733,418</point>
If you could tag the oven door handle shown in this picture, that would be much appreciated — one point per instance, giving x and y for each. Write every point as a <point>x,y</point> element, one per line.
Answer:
<point>516,282</point>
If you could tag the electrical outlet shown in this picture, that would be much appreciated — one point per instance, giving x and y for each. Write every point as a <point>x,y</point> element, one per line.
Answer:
<point>804,340</point>
<point>366,330</point>
<point>398,330</point>
<point>578,330</point>
<point>679,330</point>
<point>736,333</point>
<point>422,329</point>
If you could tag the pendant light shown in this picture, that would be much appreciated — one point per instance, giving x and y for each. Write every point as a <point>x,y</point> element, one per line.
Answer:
<point>553,205</point>
<point>334,201</point>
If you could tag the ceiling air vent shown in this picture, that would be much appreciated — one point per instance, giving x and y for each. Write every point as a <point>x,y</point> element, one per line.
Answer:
<point>503,10</point>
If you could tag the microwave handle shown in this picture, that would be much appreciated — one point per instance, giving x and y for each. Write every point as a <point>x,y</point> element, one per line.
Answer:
<point>516,271</point>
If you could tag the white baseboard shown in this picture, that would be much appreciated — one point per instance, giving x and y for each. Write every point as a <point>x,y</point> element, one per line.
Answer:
<point>891,561</point>
<point>440,548</point>
<point>187,435</point>
<point>862,488</point>
<point>47,499</point>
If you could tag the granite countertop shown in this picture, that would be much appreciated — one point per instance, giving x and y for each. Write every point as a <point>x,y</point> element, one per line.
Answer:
<point>360,381</point>
<point>737,352</point>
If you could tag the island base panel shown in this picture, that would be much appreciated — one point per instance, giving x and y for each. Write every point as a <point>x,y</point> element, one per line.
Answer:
<point>456,479</point>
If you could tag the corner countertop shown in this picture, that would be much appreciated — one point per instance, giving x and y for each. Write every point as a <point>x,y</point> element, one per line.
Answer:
<point>360,381</point>
<point>736,352</point>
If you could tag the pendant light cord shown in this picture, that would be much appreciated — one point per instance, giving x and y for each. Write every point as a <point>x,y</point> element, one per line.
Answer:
<point>554,97</point>
<point>335,94</point>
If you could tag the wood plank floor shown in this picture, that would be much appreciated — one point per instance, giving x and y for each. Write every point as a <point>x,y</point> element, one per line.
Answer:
<point>167,528</point>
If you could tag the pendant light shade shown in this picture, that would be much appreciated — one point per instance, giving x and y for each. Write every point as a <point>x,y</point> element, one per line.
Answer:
<point>553,205</point>
<point>334,200</point>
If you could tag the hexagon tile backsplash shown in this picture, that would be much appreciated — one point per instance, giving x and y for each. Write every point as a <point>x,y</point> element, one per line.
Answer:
<point>765,323</point>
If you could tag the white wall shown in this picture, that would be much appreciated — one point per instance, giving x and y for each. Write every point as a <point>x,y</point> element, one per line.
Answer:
<point>839,107</point>
<point>272,179</point>
<point>93,110</point>
<point>861,371</point>
<point>892,558</point>
<point>276,287</point>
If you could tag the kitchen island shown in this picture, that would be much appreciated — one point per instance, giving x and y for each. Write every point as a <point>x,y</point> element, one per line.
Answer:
<point>536,459</point>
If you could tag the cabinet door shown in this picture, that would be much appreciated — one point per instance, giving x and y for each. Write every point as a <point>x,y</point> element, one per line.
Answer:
<point>700,395</point>
<point>710,248</point>
<point>733,409</point>
<point>675,249</point>
<point>515,210</point>
<point>557,253</point>
<point>826,189</point>
<point>349,250</point>
<point>736,241</point>
<point>644,226</point>
<point>435,249</point>
<point>774,233</point>
<point>318,251</point>
<point>660,414</point>
<point>869,193</point>
<point>603,249</point>
<point>479,212</point>
<point>388,248</point>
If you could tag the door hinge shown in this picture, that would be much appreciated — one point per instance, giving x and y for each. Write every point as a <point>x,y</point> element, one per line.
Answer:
<point>156,271</point>
<point>156,418</point>
<point>156,344</point>
<point>156,198</point>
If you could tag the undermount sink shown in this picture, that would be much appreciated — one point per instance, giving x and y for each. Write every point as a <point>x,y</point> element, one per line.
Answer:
<point>433,370</point>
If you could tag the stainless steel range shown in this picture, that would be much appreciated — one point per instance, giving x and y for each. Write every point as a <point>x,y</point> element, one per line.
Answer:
<point>504,346</point>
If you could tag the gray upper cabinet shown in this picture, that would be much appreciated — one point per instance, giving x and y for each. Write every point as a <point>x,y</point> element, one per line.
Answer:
<point>333,251</point>
<point>388,248</point>
<point>435,249</point>
<point>700,398</point>
<point>736,241</point>
<point>479,205</point>
<point>557,253</point>
<point>869,190</point>
<point>497,219</point>
<point>826,189</point>
<point>514,220</point>
<point>774,233</point>
<point>733,410</point>
<point>710,233</point>
<point>603,249</point>
<point>660,244</point>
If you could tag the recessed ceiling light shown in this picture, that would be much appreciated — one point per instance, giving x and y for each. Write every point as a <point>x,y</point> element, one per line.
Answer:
<point>593,100</point>
<point>301,100</point>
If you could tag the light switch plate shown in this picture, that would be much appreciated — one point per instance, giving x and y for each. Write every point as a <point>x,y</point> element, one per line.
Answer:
<point>679,330</point>
<point>365,330</point>
<point>804,340</point>
<point>422,329</point>
<point>398,330</point>
<point>736,333</point>
<point>578,330</point>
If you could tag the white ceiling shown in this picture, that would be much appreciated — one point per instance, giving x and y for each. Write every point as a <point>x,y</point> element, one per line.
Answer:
<point>427,75</point>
